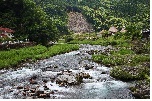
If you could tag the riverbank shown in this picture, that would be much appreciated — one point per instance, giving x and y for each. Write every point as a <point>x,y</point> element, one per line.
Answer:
<point>129,59</point>
<point>14,57</point>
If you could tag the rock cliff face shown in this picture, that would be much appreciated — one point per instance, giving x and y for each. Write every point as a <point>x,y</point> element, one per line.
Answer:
<point>77,23</point>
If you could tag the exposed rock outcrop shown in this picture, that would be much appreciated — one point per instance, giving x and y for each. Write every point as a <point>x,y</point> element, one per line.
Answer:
<point>77,23</point>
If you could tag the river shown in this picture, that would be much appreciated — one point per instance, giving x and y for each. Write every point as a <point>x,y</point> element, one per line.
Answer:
<point>16,84</point>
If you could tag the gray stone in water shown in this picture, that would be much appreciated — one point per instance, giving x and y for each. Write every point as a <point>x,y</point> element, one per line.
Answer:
<point>66,79</point>
<point>39,92</point>
<point>88,66</point>
<point>19,87</point>
<point>31,94</point>
<point>33,90</point>
<point>45,80</point>
<point>33,82</point>
<point>65,65</point>
<point>29,97</point>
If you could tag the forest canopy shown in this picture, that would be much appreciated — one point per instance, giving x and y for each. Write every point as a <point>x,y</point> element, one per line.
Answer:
<point>45,20</point>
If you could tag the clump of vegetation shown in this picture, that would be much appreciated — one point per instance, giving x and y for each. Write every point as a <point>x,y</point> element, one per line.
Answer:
<point>14,57</point>
<point>124,73</point>
<point>68,38</point>
<point>140,46</point>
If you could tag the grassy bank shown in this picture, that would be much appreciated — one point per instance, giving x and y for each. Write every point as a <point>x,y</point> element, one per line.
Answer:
<point>16,56</point>
<point>128,63</point>
<point>130,58</point>
<point>92,39</point>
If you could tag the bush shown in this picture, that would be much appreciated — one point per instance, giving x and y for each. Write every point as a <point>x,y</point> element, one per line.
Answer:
<point>68,38</point>
<point>140,47</point>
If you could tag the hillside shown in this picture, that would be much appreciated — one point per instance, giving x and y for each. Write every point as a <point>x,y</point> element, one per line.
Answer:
<point>34,19</point>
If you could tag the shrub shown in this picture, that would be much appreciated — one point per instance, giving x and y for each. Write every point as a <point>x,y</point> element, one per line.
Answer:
<point>68,38</point>
<point>141,47</point>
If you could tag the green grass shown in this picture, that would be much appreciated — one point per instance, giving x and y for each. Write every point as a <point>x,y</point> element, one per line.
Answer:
<point>121,59</point>
<point>104,42</point>
<point>16,56</point>
<point>125,63</point>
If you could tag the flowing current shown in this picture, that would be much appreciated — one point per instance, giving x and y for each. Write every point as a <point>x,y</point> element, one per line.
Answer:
<point>101,85</point>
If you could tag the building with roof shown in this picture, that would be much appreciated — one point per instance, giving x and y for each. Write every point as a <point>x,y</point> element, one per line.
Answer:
<point>6,33</point>
<point>113,30</point>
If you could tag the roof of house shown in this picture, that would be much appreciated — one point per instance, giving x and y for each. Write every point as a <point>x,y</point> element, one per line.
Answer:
<point>113,29</point>
<point>3,35</point>
<point>6,30</point>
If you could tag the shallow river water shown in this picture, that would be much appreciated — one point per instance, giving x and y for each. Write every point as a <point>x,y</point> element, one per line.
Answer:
<point>100,86</point>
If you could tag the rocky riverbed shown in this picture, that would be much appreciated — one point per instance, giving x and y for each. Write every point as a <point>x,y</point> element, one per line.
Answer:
<point>71,75</point>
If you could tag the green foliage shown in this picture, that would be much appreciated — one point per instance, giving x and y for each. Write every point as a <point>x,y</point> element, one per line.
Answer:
<point>14,57</point>
<point>94,40</point>
<point>140,46</point>
<point>68,38</point>
<point>59,49</point>
<point>28,20</point>
<point>112,60</point>
<point>123,52</point>
<point>32,18</point>
<point>127,75</point>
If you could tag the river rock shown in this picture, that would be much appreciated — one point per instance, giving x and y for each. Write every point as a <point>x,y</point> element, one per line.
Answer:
<point>103,72</point>
<point>86,75</point>
<point>33,82</point>
<point>88,66</point>
<point>31,94</point>
<point>44,95</point>
<point>45,80</point>
<point>39,92</point>
<point>33,90</point>
<point>29,97</point>
<point>24,93</point>
<point>45,87</point>
<point>20,87</point>
<point>34,77</point>
<point>63,80</point>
